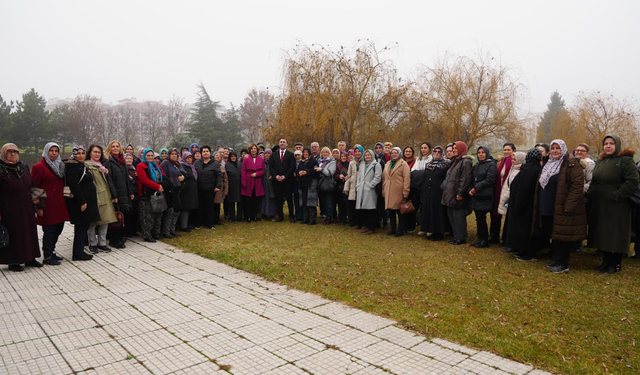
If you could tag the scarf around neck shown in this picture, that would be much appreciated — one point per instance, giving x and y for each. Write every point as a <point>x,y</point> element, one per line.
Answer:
<point>56,165</point>
<point>552,167</point>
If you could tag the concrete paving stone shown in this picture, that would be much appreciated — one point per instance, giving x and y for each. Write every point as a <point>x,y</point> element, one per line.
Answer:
<point>126,367</point>
<point>454,346</point>
<point>399,336</point>
<point>18,318</point>
<point>410,363</point>
<point>327,330</point>
<point>149,342</point>
<point>64,325</point>
<point>7,296</point>
<point>214,307</point>
<point>214,281</point>
<point>177,288</point>
<point>169,318</point>
<point>204,368</point>
<point>180,269</point>
<point>80,339</point>
<point>127,287</point>
<point>301,320</point>
<point>46,301</point>
<point>280,343</point>
<point>38,293</point>
<point>302,299</point>
<point>331,362</point>
<point>479,368</point>
<point>26,350</point>
<point>264,331</point>
<point>308,341</point>
<point>377,353</point>
<point>288,369</point>
<point>168,360</point>
<point>367,322</point>
<point>539,372</point>
<point>502,363</point>
<point>243,298</point>
<point>195,298</point>
<point>116,314</point>
<point>267,309</point>
<point>440,353</point>
<point>101,304</point>
<point>296,352</point>
<point>131,327</point>
<point>221,344</point>
<point>236,319</point>
<point>227,292</point>
<point>157,279</point>
<point>12,308</point>
<point>251,361</point>
<point>359,342</point>
<point>141,296</point>
<point>157,306</point>
<point>15,334</point>
<point>334,310</point>
<point>196,329</point>
<point>95,356</point>
<point>53,364</point>
<point>372,370</point>
<point>136,267</point>
<point>90,294</point>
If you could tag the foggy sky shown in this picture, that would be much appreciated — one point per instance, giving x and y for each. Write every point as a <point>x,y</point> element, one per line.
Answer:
<point>153,49</point>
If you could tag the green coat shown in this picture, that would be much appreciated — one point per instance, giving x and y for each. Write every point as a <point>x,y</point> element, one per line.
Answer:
<point>104,190</point>
<point>609,209</point>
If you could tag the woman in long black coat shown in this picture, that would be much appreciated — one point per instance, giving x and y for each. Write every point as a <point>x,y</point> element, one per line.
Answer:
<point>190,193</point>
<point>17,211</point>
<point>233,199</point>
<point>83,207</point>
<point>520,207</point>
<point>482,193</point>
<point>116,165</point>
<point>433,212</point>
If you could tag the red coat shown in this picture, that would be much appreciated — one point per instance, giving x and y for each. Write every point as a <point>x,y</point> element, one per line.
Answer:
<point>144,180</point>
<point>55,210</point>
<point>249,183</point>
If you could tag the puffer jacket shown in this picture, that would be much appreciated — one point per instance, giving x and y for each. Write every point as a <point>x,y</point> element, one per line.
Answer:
<point>458,180</point>
<point>570,210</point>
<point>484,178</point>
<point>120,179</point>
<point>209,175</point>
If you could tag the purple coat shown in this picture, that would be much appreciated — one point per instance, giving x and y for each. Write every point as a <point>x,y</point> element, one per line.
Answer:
<point>250,183</point>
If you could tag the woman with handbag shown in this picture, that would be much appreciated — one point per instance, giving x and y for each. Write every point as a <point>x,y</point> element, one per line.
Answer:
<point>107,195</point>
<point>82,203</point>
<point>366,197</point>
<point>131,217</point>
<point>190,192</point>
<point>396,185</point>
<point>116,166</point>
<point>308,185</point>
<point>482,193</point>
<point>327,185</point>
<point>48,174</point>
<point>150,177</point>
<point>17,211</point>
<point>342,170</point>
<point>175,174</point>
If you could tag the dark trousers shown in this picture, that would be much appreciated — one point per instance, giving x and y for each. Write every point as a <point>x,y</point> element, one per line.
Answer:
<point>206,213</point>
<point>130,223</point>
<point>329,205</point>
<point>560,250</point>
<point>410,219</point>
<point>50,238</point>
<point>79,238</point>
<point>458,219</point>
<point>394,217</point>
<point>250,206</point>
<point>233,210</point>
<point>216,213</point>
<point>115,236</point>
<point>322,202</point>
<point>496,224</point>
<point>355,219</point>
<point>370,218</point>
<point>481,222</point>
<point>284,192</point>
<point>341,200</point>
<point>296,203</point>
<point>382,213</point>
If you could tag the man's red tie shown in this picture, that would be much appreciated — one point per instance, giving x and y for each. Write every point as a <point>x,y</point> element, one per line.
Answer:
<point>281,156</point>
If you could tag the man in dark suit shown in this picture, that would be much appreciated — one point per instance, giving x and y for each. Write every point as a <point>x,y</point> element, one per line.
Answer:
<point>282,165</point>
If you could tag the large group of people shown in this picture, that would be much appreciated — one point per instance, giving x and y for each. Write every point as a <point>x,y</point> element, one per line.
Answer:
<point>551,199</point>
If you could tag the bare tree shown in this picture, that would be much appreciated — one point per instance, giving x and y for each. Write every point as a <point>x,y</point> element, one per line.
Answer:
<point>154,124</point>
<point>177,116</point>
<point>86,115</point>
<point>255,114</point>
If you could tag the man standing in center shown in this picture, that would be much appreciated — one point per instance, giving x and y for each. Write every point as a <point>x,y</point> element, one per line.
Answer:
<point>282,165</point>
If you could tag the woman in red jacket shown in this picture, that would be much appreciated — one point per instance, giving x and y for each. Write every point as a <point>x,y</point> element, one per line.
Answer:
<point>149,181</point>
<point>48,174</point>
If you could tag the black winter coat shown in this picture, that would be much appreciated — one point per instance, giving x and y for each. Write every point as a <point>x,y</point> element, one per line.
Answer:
<point>120,179</point>
<point>83,192</point>
<point>209,175</point>
<point>484,179</point>
<point>520,211</point>
<point>235,181</point>
<point>190,190</point>
<point>459,179</point>
<point>432,211</point>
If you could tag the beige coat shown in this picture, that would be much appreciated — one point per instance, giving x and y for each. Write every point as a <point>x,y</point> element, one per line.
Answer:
<point>352,182</point>
<point>505,193</point>
<point>396,184</point>
<point>224,190</point>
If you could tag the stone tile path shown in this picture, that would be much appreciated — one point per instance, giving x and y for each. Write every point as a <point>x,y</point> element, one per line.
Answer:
<point>151,308</point>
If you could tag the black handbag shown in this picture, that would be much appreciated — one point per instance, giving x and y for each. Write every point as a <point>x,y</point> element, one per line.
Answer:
<point>158,202</point>
<point>4,237</point>
<point>327,184</point>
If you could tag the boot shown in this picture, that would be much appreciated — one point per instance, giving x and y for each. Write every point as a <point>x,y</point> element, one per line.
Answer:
<point>615,263</point>
<point>605,262</point>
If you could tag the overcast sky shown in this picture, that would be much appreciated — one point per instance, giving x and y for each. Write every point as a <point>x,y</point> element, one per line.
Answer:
<point>153,49</point>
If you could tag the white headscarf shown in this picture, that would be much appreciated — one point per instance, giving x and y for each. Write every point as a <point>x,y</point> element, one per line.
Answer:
<point>553,165</point>
<point>56,165</point>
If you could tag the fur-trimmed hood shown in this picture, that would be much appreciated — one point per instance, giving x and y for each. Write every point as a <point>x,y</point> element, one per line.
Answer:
<point>625,152</point>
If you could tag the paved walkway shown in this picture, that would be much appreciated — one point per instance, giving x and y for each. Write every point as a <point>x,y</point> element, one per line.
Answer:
<point>151,308</point>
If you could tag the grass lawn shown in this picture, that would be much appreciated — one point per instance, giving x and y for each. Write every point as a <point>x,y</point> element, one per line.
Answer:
<point>580,322</point>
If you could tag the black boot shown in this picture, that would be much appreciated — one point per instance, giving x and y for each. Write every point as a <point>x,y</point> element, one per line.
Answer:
<point>605,262</point>
<point>615,263</point>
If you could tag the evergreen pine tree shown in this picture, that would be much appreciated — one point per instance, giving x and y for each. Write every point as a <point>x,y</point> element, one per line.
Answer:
<point>554,108</point>
<point>31,125</point>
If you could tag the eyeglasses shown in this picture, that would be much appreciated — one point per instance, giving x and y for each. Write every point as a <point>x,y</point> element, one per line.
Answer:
<point>13,152</point>
<point>437,152</point>
<point>577,150</point>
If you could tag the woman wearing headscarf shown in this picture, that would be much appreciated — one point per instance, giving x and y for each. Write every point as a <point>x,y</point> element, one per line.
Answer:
<point>615,177</point>
<point>131,217</point>
<point>17,211</point>
<point>369,176</point>
<point>219,197</point>
<point>83,205</point>
<point>115,164</point>
<point>482,193</point>
<point>269,204</point>
<point>396,184</point>
<point>504,167</point>
<point>519,217</point>
<point>107,195</point>
<point>350,187</point>
<point>129,150</point>
<point>48,174</point>
<point>194,148</point>
<point>209,182</point>
<point>252,189</point>
<point>455,195</point>
<point>326,168</point>
<point>190,193</point>
<point>433,212</point>
<point>559,210</point>
<point>233,198</point>
<point>164,154</point>
<point>175,172</point>
<point>150,177</point>
<point>342,170</point>
<point>517,160</point>
<point>308,186</point>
